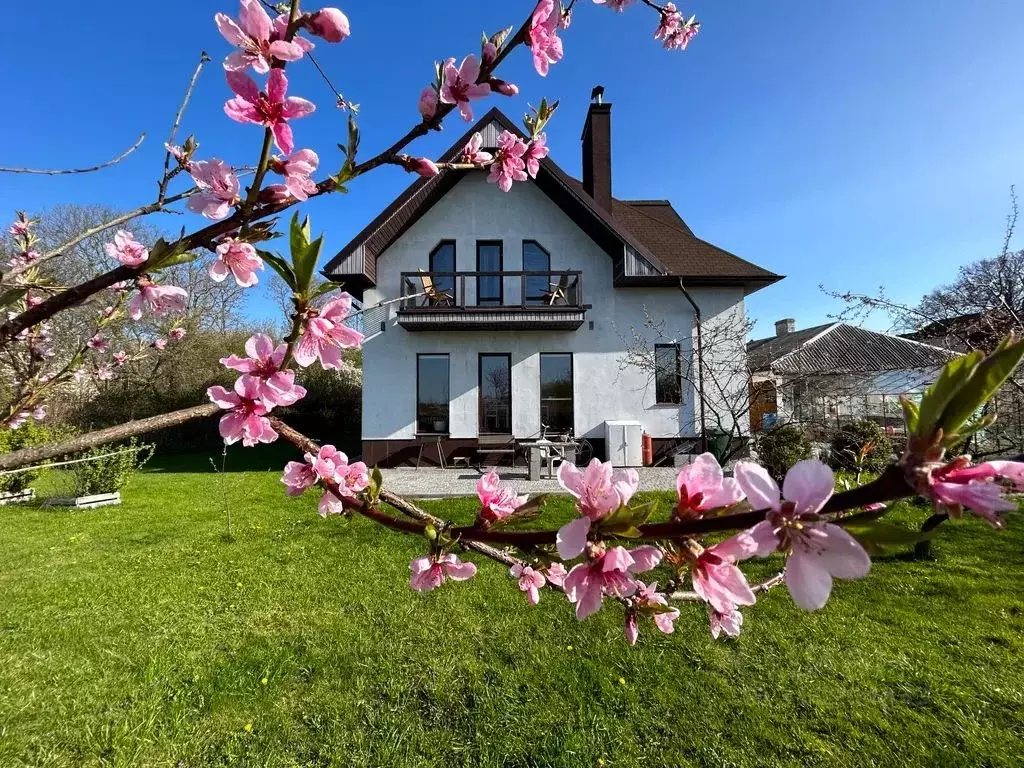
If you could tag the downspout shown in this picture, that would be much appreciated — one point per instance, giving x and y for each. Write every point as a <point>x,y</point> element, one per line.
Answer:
<point>703,442</point>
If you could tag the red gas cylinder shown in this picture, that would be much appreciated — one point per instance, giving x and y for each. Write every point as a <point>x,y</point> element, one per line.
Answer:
<point>648,450</point>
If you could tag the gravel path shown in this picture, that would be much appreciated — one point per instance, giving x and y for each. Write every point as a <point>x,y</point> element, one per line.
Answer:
<point>444,483</point>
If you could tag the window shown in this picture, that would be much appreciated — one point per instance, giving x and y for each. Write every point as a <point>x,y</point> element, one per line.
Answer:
<point>442,259</point>
<point>668,388</point>
<point>488,259</point>
<point>536,259</point>
<point>432,394</point>
<point>556,414</point>
<point>495,394</point>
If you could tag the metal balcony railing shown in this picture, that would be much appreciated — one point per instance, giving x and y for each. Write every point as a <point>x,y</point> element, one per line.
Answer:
<point>531,290</point>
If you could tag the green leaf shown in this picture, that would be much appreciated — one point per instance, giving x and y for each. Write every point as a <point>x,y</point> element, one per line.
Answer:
<point>326,287</point>
<point>177,258</point>
<point>982,386</point>
<point>877,536</point>
<point>935,399</point>
<point>9,297</point>
<point>305,254</point>
<point>279,265</point>
<point>911,414</point>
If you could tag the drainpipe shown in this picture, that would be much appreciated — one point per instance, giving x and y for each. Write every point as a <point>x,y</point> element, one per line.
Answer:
<point>700,368</point>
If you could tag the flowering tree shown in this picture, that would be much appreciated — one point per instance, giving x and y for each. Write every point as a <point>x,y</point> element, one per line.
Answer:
<point>613,546</point>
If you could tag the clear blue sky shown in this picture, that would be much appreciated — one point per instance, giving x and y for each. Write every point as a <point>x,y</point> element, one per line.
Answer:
<point>852,145</point>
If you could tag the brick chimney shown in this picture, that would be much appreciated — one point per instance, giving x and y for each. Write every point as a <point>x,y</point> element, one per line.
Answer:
<point>782,327</point>
<point>597,151</point>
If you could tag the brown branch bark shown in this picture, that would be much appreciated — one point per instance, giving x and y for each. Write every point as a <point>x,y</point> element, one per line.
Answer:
<point>108,435</point>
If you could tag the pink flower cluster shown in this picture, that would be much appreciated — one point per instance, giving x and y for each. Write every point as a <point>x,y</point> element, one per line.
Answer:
<point>980,489</point>
<point>329,465</point>
<point>675,30</point>
<point>496,502</point>
<point>218,189</point>
<point>542,36</point>
<point>297,169</point>
<point>158,300</point>
<point>238,259</point>
<point>430,572</point>
<point>325,334</point>
<point>126,249</point>
<point>516,160</point>
<point>460,86</point>
<point>260,388</point>
<point>599,490</point>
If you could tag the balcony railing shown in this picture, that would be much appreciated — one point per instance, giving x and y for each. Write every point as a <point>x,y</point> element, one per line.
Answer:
<point>492,300</point>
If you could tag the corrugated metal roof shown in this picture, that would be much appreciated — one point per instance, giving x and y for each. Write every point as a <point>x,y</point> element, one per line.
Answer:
<point>841,348</point>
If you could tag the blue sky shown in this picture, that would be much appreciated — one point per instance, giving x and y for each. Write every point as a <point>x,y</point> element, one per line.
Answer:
<point>847,145</point>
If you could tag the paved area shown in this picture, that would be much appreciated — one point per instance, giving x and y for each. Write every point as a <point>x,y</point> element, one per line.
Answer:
<point>442,483</point>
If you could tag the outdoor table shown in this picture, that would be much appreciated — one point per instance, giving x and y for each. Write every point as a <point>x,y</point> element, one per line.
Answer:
<point>540,450</point>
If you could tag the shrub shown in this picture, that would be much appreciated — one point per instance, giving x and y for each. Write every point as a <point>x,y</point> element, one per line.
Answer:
<point>111,473</point>
<point>27,436</point>
<point>781,447</point>
<point>852,438</point>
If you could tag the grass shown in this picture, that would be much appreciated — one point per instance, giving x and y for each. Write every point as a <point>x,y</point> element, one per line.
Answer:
<point>143,635</point>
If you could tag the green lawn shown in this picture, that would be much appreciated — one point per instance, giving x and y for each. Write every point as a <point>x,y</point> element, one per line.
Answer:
<point>142,635</point>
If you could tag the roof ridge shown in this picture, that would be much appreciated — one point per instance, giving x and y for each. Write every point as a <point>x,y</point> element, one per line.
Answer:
<point>831,327</point>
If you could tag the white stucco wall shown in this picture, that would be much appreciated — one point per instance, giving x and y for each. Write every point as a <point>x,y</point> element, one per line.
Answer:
<point>475,210</point>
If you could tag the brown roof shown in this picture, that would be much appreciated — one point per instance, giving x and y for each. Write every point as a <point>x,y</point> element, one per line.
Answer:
<point>652,228</point>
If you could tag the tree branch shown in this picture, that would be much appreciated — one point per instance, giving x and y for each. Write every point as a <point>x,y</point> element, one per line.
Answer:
<point>90,169</point>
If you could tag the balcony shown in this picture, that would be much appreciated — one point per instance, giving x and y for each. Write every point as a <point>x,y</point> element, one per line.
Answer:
<point>492,301</point>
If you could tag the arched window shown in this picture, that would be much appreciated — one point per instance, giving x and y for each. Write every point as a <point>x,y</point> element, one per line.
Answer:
<point>536,259</point>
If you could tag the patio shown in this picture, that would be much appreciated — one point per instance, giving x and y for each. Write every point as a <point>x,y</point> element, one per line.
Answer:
<point>444,483</point>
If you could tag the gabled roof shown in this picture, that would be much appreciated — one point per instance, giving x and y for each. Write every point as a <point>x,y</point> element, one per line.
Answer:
<point>841,348</point>
<point>660,240</point>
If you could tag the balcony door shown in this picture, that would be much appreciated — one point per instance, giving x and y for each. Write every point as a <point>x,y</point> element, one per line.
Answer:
<point>536,259</point>
<point>442,259</point>
<point>495,394</point>
<point>489,259</point>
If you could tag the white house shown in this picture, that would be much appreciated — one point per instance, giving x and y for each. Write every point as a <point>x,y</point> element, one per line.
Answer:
<point>515,305</point>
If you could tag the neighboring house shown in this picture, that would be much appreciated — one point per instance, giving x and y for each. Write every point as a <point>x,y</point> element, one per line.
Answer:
<point>832,373</point>
<point>513,306</point>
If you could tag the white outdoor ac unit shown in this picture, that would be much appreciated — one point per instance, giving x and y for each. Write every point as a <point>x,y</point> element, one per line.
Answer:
<point>624,443</point>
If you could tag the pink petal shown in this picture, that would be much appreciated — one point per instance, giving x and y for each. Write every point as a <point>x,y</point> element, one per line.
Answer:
<point>765,537</point>
<point>808,484</point>
<point>218,270</point>
<point>589,602</point>
<point>761,491</point>
<point>277,88</point>
<point>460,571</point>
<point>284,51</point>
<point>571,538</point>
<point>618,559</point>
<point>843,555</point>
<point>738,547</point>
<point>283,136</point>
<point>243,86</point>
<point>644,559</point>
<point>570,478</point>
<point>229,29</point>
<point>807,580</point>
<point>255,20</point>
<point>295,107</point>
<point>631,630</point>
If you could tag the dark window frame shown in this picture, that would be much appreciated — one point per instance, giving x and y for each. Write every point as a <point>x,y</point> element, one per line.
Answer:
<point>526,282</point>
<point>448,417</point>
<point>500,298</point>
<point>572,384</point>
<point>659,399</point>
<point>480,391</point>
<point>446,284</point>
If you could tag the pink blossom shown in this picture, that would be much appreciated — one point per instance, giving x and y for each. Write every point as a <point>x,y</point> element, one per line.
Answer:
<point>271,108</point>
<point>328,464</point>
<point>281,32</point>
<point>980,489</point>
<point>599,490</point>
<point>157,299</point>
<point>297,169</point>
<point>176,151</point>
<point>536,152</point>
<point>271,385</point>
<point>98,343</point>
<point>729,622</point>
<point>542,36</point>
<point>649,600</point>
<point>299,476</point>
<point>556,573</point>
<point>177,334</point>
<point>530,581</point>
<point>503,87</point>
<point>121,357</point>
<point>424,166</point>
<point>702,487</point>
<point>39,412</point>
<point>717,579</point>
<point>253,34</point>
<point>818,551</point>
<point>160,344</point>
<point>218,188</point>
<point>509,165</point>
<point>607,572</point>
<point>428,102</point>
<point>325,334</point>
<point>497,502</point>
<point>126,249</point>
<point>23,260</point>
<point>674,30</point>
<point>247,420</point>
<point>460,85</point>
<point>430,572</point>
<point>237,259</point>
<point>615,5</point>
<point>328,23</point>
<point>20,227</point>
<point>104,373</point>
<point>17,420</point>
<point>489,52</point>
<point>472,152</point>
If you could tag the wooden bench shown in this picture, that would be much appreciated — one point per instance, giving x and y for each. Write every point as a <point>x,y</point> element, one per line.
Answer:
<point>495,445</point>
